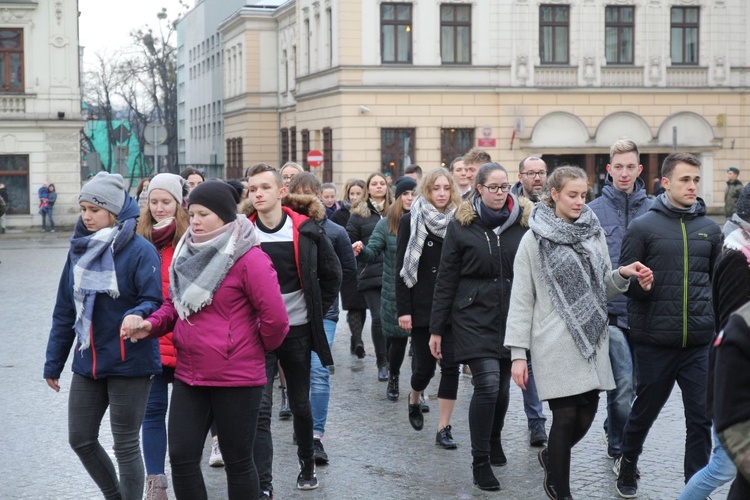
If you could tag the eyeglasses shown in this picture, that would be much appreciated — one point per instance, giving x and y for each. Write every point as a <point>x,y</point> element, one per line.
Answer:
<point>493,189</point>
<point>531,175</point>
<point>287,177</point>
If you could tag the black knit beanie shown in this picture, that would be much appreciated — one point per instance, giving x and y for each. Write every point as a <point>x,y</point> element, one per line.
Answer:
<point>405,184</point>
<point>743,204</point>
<point>217,196</point>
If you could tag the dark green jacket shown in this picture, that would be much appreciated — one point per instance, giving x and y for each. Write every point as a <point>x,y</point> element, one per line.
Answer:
<point>731,195</point>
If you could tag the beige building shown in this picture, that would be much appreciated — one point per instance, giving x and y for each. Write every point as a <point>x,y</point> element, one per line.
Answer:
<point>40,107</point>
<point>377,86</point>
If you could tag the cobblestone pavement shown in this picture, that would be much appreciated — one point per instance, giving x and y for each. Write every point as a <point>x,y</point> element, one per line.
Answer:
<point>374,452</point>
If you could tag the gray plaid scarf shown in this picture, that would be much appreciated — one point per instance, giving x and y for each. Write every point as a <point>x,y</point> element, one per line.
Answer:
<point>198,269</point>
<point>93,258</point>
<point>424,217</point>
<point>573,266</point>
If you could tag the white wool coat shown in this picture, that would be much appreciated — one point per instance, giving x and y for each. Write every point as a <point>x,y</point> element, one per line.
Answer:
<point>534,324</point>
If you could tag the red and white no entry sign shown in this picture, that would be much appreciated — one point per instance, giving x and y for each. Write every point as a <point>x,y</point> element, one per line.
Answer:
<point>315,158</point>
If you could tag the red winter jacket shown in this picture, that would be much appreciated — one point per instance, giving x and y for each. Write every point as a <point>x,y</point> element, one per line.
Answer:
<point>225,343</point>
<point>166,344</point>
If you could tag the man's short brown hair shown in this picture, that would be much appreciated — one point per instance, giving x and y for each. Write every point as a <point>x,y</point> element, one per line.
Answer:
<point>260,168</point>
<point>477,156</point>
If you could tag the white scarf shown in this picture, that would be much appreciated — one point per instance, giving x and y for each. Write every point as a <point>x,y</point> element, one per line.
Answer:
<point>424,217</point>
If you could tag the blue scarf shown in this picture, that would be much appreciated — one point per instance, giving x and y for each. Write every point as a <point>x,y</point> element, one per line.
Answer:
<point>92,255</point>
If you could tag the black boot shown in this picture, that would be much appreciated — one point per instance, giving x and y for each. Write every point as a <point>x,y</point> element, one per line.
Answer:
<point>355,326</point>
<point>284,412</point>
<point>484,479</point>
<point>392,390</point>
<point>497,456</point>
<point>416,419</point>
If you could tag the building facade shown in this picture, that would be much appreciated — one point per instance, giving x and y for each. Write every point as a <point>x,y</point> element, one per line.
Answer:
<point>379,85</point>
<point>200,124</point>
<point>40,107</point>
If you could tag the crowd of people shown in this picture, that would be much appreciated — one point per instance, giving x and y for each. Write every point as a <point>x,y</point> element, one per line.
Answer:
<point>219,287</point>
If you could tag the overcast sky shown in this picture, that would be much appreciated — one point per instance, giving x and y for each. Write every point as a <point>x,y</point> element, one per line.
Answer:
<point>105,26</point>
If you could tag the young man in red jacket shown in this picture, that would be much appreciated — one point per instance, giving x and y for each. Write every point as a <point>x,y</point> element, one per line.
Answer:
<point>309,275</point>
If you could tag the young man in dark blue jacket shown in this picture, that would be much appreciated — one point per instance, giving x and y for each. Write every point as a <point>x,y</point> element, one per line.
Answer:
<point>623,199</point>
<point>672,324</point>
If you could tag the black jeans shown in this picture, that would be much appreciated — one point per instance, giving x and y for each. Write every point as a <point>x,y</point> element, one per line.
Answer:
<point>372,297</point>
<point>424,364</point>
<point>489,403</point>
<point>126,398</point>
<point>396,353</point>
<point>235,412</point>
<point>294,355</point>
<point>658,369</point>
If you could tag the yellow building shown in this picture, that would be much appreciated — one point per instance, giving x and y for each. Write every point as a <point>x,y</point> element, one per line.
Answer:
<point>377,86</point>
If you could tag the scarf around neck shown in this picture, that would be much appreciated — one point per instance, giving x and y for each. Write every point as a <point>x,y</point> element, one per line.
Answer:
<point>737,235</point>
<point>674,208</point>
<point>92,255</point>
<point>501,219</point>
<point>163,232</point>
<point>425,218</point>
<point>573,266</point>
<point>201,262</point>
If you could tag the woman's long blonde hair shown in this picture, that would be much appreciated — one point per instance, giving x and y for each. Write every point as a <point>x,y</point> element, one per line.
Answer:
<point>146,223</point>
<point>428,181</point>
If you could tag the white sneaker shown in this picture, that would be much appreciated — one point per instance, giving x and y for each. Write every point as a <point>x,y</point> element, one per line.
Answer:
<point>216,460</point>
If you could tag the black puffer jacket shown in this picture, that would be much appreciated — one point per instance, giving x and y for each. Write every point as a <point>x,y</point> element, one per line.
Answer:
<point>474,278</point>
<point>681,249</point>
<point>360,226</point>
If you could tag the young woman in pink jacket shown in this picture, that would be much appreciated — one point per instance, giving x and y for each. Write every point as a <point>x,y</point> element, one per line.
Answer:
<point>226,311</point>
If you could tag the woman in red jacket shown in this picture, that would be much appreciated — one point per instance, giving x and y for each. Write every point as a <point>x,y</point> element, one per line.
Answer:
<point>163,221</point>
<point>226,311</point>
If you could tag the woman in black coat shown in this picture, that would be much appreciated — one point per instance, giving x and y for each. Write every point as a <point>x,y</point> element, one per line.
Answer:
<point>472,295</point>
<point>351,300</point>
<point>419,245</point>
<point>365,214</point>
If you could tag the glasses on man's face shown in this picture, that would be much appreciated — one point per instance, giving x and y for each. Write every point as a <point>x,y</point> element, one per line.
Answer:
<point>493,189</point>
<point>287,177</point>
<point>542,174</point>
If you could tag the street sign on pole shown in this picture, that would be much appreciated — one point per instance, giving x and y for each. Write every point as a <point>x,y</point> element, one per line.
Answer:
<point>155,134</point>
<point>315,158</point>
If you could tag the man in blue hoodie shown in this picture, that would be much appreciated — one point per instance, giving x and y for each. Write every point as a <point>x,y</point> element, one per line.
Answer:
<point>623,199</point>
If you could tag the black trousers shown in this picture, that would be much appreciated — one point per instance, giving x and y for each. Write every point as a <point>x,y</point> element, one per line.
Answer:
<point>489,403</point>
<point>423,364</point>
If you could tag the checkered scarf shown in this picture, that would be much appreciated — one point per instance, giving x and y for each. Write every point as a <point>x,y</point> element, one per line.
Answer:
<point>737,235</point>
<point>574,268</point>
<point>424,217</point>
<point>93,258</point>
<point>198,269</point>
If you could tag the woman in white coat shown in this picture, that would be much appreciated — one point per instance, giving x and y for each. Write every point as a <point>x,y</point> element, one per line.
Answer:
<point>558,311</point>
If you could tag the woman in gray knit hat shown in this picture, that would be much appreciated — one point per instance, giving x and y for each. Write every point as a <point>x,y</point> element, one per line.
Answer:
<point>110,272</point>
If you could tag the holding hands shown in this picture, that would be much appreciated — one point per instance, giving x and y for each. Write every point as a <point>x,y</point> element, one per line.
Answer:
<point>644,274</point>
<point>134,328</point>
<point>357,247</point>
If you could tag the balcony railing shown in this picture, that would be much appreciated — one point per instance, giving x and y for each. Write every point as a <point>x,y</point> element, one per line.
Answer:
<point>556,77</point>
<point>622,77</point>
<point>687,77</point>
<point>12,104</point>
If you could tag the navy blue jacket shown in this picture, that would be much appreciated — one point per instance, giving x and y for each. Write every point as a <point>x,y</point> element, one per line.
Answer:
<point>681,249</point>
<point>139,282</point>
<point>615,210</point>
<point>343,248</point>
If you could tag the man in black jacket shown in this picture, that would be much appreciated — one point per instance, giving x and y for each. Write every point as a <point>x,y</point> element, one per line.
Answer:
<point>309,275</point>
<point>671,324</point>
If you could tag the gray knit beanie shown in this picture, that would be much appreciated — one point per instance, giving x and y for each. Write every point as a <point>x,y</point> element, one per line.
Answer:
<point>743,204</point>
<point>171,183</point>
<point>106,191</point>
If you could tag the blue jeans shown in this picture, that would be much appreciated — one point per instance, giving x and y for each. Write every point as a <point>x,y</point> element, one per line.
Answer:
<point>621,397</point>
<point>719,471</point>
<point>154,429</point>
<point>320,387</point>
<point>532,406</point>
<point>126,398</point>
<point>47,212</point>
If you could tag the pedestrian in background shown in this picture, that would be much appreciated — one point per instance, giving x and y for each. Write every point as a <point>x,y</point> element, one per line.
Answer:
<point>472,293</point>
<point>5,203</point>
<point>558,311</point>
<point>382,246</point>
<point>419,245</point>
<point>163,222</point>
<point>226,311</point>
<point>364,216</point>
<point>352,300</point>
<point>110,273</point>
<point>732,193</point>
